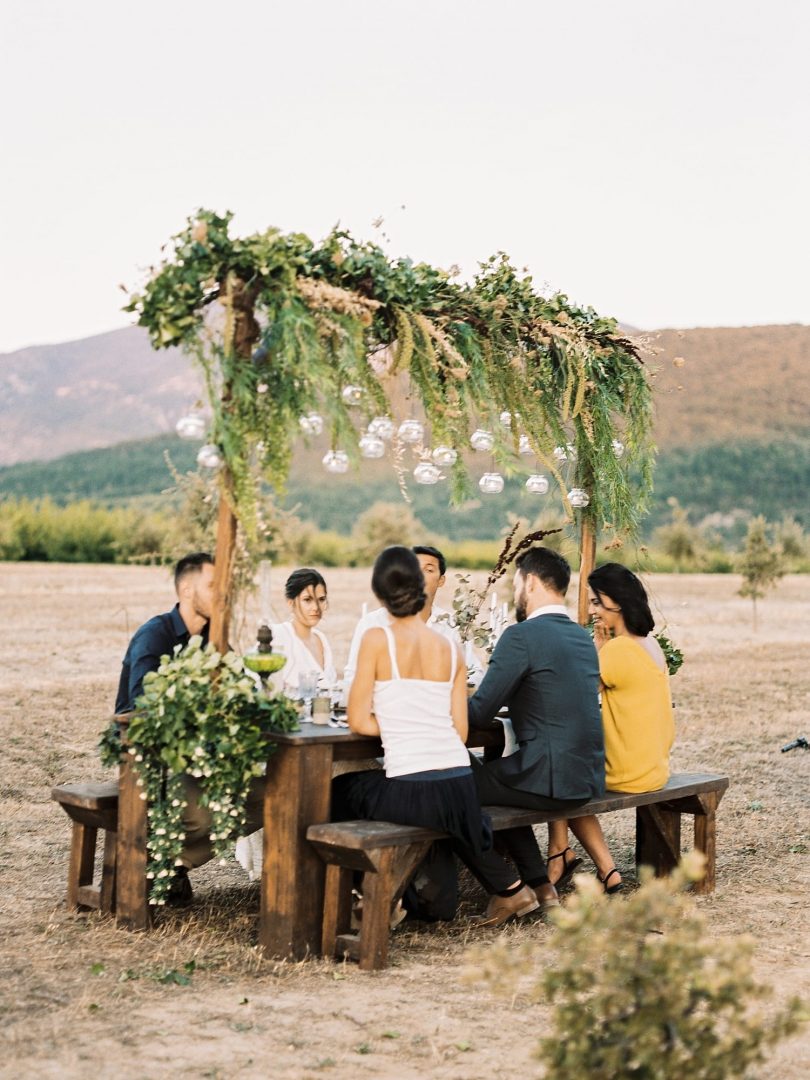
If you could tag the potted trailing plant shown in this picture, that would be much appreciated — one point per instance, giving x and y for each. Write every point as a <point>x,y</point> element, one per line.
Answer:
<point>200,715</point>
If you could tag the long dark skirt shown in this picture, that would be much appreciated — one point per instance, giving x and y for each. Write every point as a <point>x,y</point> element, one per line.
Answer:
<point>441,799</point>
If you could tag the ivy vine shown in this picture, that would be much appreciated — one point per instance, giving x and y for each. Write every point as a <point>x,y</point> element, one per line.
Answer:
<point>199,715</point>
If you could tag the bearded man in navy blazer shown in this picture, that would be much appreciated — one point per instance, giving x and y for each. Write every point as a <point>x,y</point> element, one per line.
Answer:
<point>545,671</point>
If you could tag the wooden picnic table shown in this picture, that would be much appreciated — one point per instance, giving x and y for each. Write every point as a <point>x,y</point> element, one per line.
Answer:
<point>297,795</point>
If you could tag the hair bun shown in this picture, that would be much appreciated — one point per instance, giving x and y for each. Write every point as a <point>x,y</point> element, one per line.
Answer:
<point>406,601</point>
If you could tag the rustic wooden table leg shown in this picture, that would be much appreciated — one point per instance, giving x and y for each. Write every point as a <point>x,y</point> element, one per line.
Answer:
<point>106,897</point>
<point>297,795</point>
<point>658,839</point>
<point>706,841</point>
<point>131,900</point>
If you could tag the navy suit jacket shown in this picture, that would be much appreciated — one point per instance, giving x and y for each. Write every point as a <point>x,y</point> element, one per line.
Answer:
<point>546,672</point>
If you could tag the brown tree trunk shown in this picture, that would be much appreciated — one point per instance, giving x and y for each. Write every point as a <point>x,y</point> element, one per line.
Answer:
<point>223,566</point>
<point>587,561</point>
<point>245,333</point>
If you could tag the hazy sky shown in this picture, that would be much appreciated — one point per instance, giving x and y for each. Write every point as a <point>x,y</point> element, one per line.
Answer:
<point>648,157</point>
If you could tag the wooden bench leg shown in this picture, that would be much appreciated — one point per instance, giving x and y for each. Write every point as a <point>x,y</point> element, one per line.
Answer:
<point>378,893</point>
<point>658,839</point>
<point>82,861</point>
<point>337,906</point>
<point>706,841</point>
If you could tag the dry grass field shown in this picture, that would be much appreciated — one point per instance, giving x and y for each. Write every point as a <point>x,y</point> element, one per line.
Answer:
<point>80,997</point>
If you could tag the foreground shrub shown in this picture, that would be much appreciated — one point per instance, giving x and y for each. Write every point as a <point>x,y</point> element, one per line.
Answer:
<point>642,989</point>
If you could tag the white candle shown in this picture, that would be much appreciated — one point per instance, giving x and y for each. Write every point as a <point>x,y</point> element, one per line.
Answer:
<point>364,611</point>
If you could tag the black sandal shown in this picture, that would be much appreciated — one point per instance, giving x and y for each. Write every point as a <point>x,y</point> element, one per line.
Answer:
<point>611,890</point>
<point>568,867</point>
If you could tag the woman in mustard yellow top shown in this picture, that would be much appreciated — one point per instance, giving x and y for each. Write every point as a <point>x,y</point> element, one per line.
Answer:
<point>636,711</point>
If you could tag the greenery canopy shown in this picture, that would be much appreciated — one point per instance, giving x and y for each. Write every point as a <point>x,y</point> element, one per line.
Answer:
<point>298,323</point>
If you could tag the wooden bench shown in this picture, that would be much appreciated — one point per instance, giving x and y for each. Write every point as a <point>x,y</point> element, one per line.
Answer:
<point>90,807</point>
<point>388,854</point>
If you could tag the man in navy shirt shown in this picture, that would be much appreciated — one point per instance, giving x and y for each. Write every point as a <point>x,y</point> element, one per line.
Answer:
<point>193,582</point>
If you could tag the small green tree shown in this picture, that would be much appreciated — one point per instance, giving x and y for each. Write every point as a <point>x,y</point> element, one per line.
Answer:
<point>679,540</point>
<point>790,537</point>
<point>642,989</point>
<point>761,563</point>
<point>380,526</point>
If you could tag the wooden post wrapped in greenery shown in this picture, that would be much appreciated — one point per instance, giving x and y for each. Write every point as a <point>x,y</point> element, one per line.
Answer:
<point>282,326</point>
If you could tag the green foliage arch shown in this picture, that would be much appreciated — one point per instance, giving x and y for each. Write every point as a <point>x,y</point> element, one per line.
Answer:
<point>281,325</point>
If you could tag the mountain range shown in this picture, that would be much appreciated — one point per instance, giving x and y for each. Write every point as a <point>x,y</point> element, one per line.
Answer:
<point>95,419</point>
<point>709,385</point>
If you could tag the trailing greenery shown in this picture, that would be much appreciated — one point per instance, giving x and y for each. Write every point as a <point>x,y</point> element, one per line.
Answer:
<point>298,323</point>
<point>200,714</point>
<point>672,654</point>
<point>642,989</point>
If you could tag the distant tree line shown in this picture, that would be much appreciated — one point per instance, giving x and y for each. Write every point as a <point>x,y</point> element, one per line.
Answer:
<point>85,531</point>
<point>719,487</point>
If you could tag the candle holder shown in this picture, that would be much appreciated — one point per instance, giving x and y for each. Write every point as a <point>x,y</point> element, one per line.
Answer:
<point>262,660</point>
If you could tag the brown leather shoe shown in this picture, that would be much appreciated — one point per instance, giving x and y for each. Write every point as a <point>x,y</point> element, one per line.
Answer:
<point>547,897</point>
<point>501,909</point>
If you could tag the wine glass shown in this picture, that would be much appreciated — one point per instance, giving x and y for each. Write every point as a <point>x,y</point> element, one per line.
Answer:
<point>308,689</point>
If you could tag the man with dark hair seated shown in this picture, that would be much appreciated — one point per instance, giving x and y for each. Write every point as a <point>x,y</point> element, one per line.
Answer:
<point>434,568</point>
<point>544,670</point>
<point>193,582</point>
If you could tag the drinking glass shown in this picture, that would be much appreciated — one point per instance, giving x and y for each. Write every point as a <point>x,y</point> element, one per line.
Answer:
<point>308,689</point>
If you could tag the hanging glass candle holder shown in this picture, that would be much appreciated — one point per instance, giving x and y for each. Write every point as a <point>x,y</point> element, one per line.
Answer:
<point>565,453</point>
<point>311,424</point>
<point>578,498</point>
<point>371,446</point>
<point>191,426</point>
<point>537,484</point>
<point>336,461</point>
<point>445,455</point>
<point>524,446</point>
<point>427,473</point>
<point>208,456</point>
<point>618,448</point>
<point>491,483</point>
<point>382,427</point>
<point>352,395</point>
<point>411,431</point>
<point>482,440</point>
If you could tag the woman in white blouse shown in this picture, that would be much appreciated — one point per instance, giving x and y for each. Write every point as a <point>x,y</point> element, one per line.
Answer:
<point>306,647</point>
<point>308,651</point>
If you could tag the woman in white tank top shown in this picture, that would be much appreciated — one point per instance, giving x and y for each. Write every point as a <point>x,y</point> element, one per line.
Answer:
<point>411,689</point>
